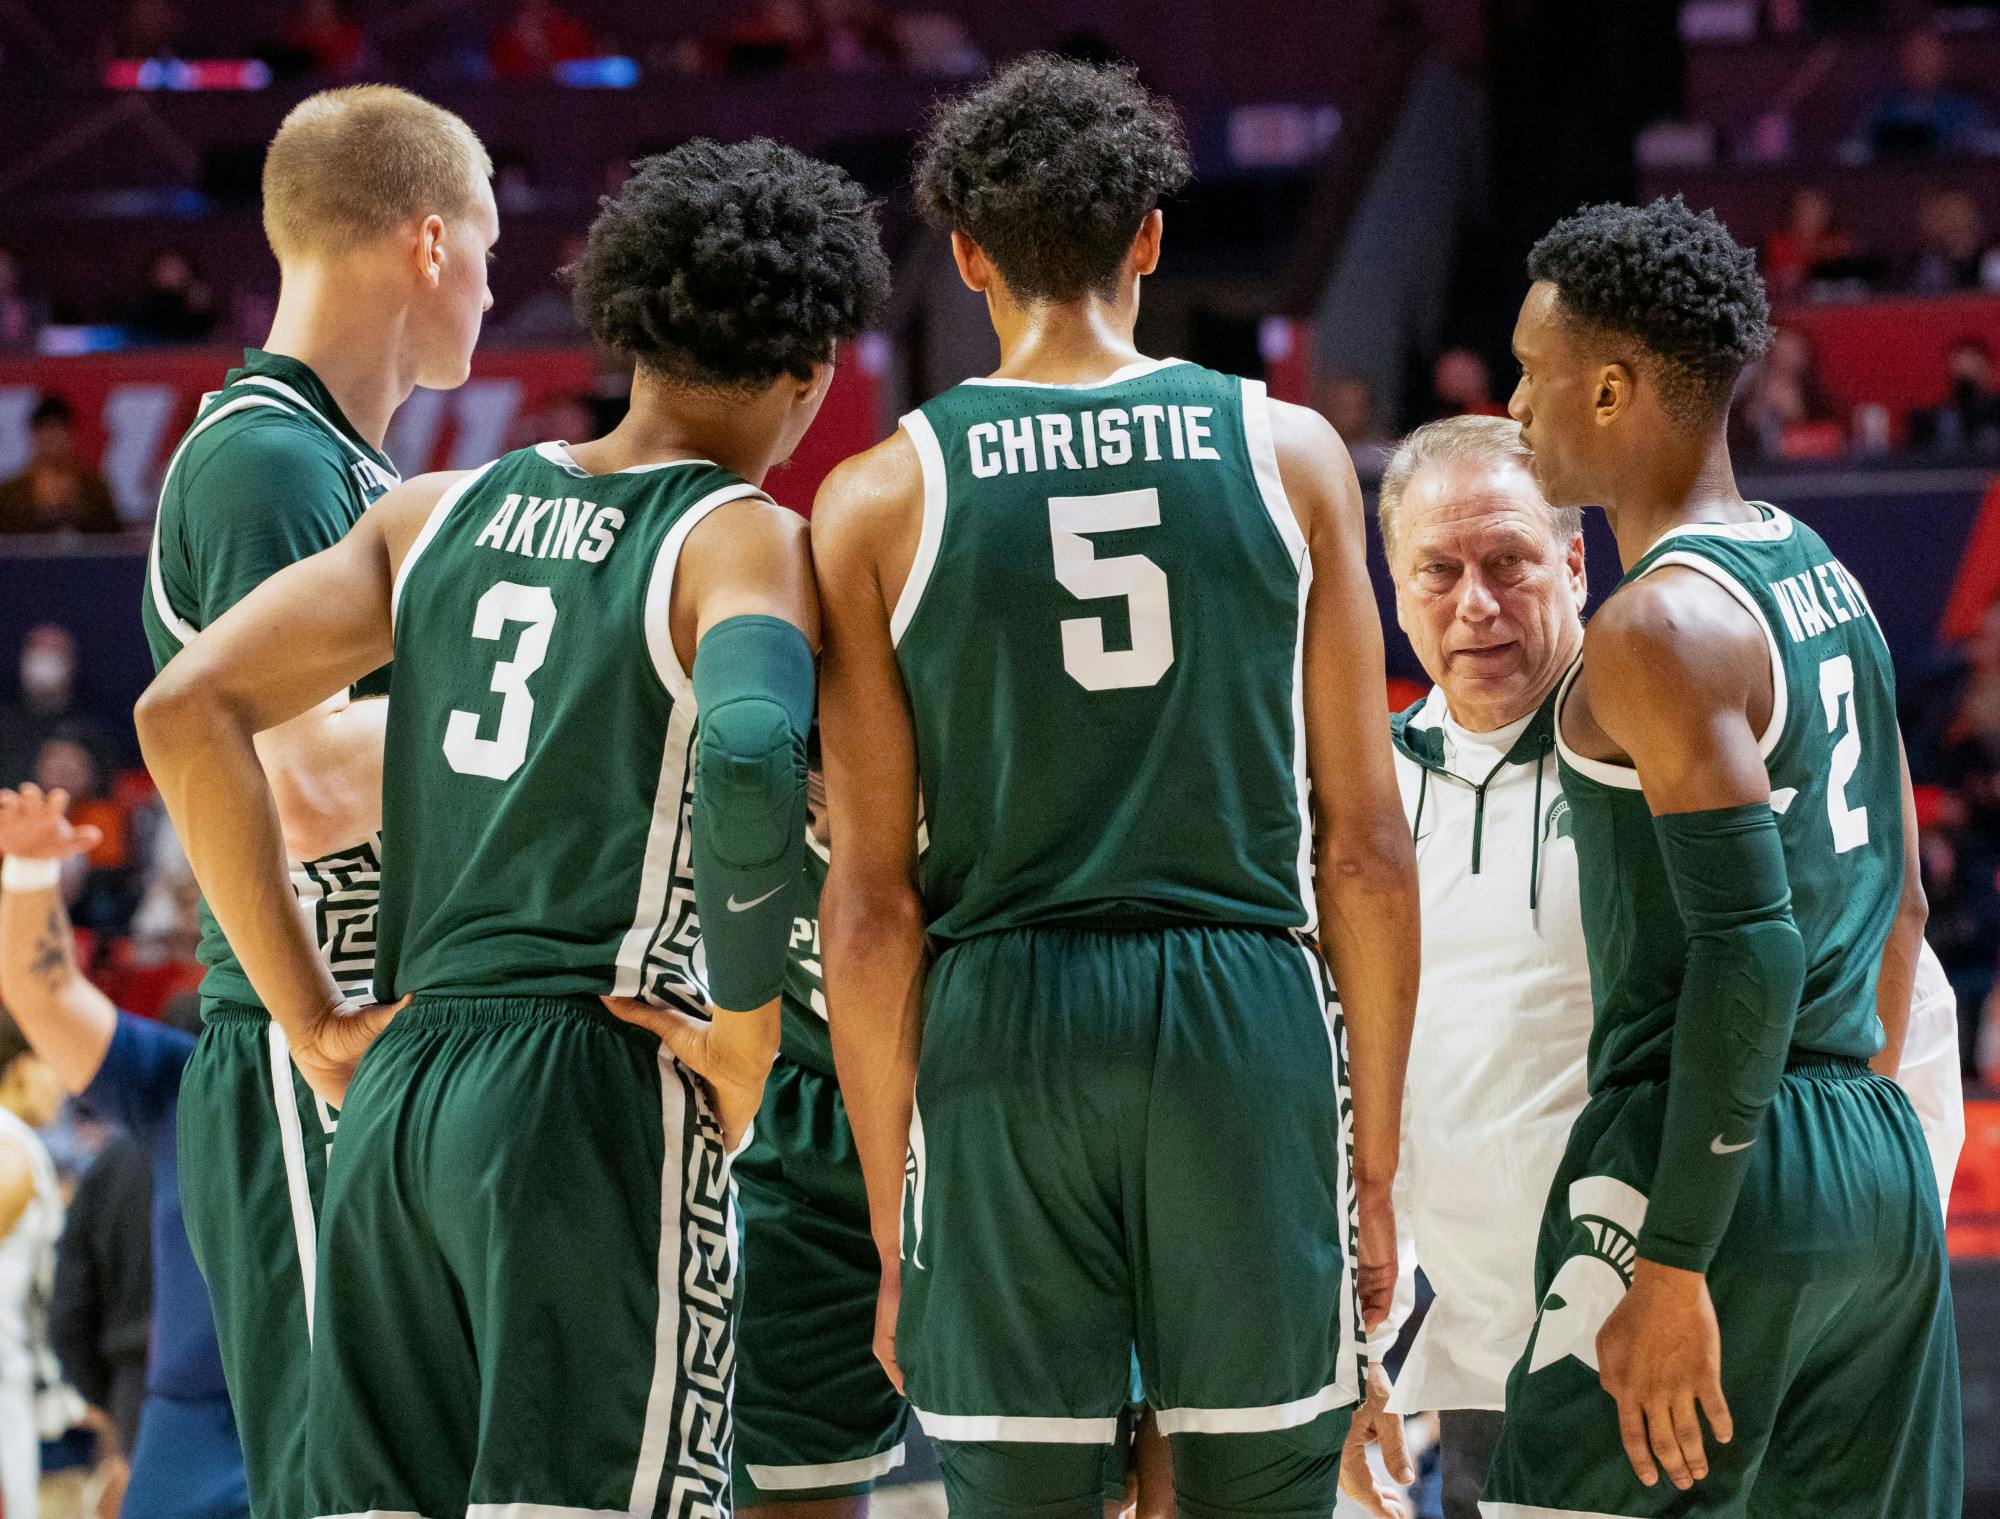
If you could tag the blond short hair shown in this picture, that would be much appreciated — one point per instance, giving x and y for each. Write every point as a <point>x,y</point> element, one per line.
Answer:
<point>350,165</point>
<point>1462,440</point>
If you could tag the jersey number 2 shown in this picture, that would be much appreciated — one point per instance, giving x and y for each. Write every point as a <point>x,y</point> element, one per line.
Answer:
<point>498,757</point>
<point>1836,694</point>
<point>1141,582</point>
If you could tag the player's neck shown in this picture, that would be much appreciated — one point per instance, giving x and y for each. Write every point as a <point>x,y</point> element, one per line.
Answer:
<point>1067,343</point>
<point>334,321</point>
<point>1675,488</point>
<point>666,422</point>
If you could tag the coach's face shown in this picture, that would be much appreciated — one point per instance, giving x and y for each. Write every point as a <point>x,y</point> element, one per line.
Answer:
<point>1488,589</point>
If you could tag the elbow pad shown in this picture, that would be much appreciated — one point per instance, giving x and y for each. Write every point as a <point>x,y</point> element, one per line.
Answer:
<point>1733,1029</point>
<point>753,687</point>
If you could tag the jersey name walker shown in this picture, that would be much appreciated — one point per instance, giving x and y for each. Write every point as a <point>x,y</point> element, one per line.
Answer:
<point>1100,636</point>
<point>539,776</point>
<point>1831,749</point>
<point>269,473</point>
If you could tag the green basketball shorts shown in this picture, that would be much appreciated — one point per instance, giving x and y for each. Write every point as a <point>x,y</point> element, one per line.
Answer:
<point>816,1416</point>
<point>252,1141</point>
<point>1839,1356</point>
<point>527,1274</point>
<point>1128,1140</point>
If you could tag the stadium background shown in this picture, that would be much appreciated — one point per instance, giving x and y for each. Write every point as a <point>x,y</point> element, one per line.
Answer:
<point>1370,174</point>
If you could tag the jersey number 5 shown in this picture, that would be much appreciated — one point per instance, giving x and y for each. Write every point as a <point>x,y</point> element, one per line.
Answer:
<point>1141,582</point>
<point>498,757</point>
<point>1836,694</point>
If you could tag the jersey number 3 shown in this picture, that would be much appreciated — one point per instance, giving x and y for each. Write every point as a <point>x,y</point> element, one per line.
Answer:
<point>1141,582</point>
<point>498,757</point>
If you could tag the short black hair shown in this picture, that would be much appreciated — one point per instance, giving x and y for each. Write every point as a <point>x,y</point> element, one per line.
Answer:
<point>52,408</point>
<point>1050,166</point>
<point>1675,283</point>
<point>727,266</point>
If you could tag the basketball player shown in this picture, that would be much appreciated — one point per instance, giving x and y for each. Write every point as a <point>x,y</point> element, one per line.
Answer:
<point>377,206</point>
<point>528,1261</point>
<point>1108,616</point>
<point>1748,878</point>
<point>817,1420</point>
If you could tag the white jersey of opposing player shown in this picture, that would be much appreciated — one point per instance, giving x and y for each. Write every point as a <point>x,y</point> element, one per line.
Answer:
<point>27,1277</point>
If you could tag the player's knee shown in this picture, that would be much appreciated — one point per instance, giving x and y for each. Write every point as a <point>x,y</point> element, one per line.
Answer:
<point>1269,1474</point>
<point>1011,1479</point>
<point>750,768</point>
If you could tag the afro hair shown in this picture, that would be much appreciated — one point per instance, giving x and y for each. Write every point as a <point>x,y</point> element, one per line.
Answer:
<point>1050,167</point>
<point>1675,283</point>
<point>726,266</point>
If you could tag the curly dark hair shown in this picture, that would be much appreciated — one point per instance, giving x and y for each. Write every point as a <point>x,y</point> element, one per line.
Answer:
<point>1050,166</point>
<point>726,266</point>
<point>1675,283</point>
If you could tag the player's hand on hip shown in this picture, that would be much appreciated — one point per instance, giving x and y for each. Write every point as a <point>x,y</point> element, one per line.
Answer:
<point>327,1056</point>
<point>889,1303</point>
<point>731,1054</point>
<point>35,825</point>
<point>1660,1355</point>
<point>1376,1270</point>
<point>1373,1424</point>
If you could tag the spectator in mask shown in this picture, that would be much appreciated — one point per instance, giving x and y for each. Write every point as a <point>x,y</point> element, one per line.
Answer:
<point>44,706</point>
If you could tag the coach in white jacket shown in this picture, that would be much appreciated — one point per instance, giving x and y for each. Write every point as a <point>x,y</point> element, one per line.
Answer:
<point>1490,590</point>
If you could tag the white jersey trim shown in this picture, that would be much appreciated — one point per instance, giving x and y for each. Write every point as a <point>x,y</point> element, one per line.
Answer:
<point>279,387</point>
<point>292,1144</point>
<point>1050,1431</point>
<point>1535,1511</point>
<point>540,1511</point>
<point>1130,371</point>
<point>1347,1378</point>
<point>660,587</point>
<point>1263,449</point>
<point>784,1479</point>
<point>924,438</point>
<point>663,843</point>
<point>556,451</point>
<point>445,502</point>
<point>1775,528</point>
<point>656,1437</point>
<point>184,631</point>
<point>1245,1421</point>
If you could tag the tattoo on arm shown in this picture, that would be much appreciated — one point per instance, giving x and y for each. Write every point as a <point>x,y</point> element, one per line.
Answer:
<point>55,952</point>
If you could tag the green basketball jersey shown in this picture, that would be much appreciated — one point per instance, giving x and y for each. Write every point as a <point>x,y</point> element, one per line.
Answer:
<point>538,784</point>
<point>1831,750</point>
<point>269,473</point>
<point>803,1036</point>
<point>1100,637</point>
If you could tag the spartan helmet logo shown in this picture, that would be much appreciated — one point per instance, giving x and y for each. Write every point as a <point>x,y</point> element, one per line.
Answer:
<point>1603,1245</point>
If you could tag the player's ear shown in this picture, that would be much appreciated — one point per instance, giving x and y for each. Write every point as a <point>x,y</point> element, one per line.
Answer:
<point>813,391</point>
<point>972,263</point>
<point>430,249</point>
<point>1614,393</point>
<point>1146,246</point>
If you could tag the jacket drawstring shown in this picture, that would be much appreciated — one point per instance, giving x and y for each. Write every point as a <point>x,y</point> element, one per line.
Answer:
<point>1535,848</point>
<point>1423,792</point>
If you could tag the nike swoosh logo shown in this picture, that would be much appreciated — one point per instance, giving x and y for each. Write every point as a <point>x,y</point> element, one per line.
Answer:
<point>736,906</point>
<point>1720,1148</point>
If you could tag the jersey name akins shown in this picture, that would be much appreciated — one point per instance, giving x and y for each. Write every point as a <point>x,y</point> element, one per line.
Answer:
<point>552,527</point>
<point>1103,438</point>
<point>1818,600</point>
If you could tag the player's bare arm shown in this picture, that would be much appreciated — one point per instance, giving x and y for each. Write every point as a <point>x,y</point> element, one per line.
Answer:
<point>871,921</point>
<point>300,638</point>
<point>750,558</point>
<point>325,768</point>
<point>1677,680</point>
<point>67,1020</point>
<point>1896,983</point>
<point>1364,866</point>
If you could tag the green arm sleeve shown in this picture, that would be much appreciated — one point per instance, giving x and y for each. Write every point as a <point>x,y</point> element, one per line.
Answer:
<point>1739,997</point>
<point>271,495</point>
<point>753,689</point>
